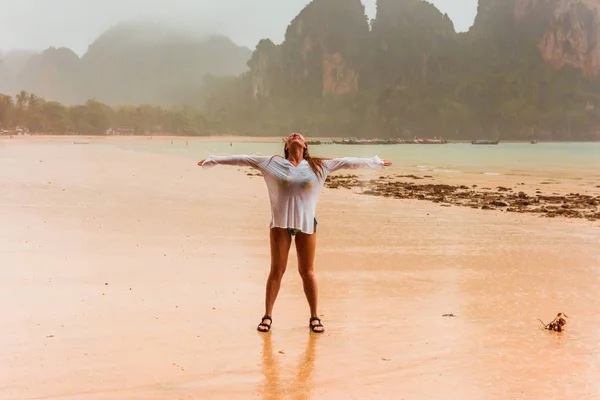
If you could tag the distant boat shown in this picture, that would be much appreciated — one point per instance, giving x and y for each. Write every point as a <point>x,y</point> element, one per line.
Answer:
<point>364,141</point>
<point>485,142</point>
<point>81,142</point>
<point>313,142</point>
<point>391,141</point>
<point>428,141</point>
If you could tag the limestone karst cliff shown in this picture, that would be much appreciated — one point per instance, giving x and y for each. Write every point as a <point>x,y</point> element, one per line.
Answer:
<point>525,65</point>
<point>566,32</point>
<point>572,37</point>
<point>329,49</point>
<point>323,52</point>
<point>409,39</point>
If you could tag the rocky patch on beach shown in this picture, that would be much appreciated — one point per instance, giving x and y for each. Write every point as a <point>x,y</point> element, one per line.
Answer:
<point>573,205</point>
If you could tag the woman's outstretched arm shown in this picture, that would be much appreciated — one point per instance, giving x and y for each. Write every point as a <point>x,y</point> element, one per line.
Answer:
<point>239,160</point>
<point>335,164</point>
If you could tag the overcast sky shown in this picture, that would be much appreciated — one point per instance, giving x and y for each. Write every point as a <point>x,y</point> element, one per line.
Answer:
<point>38,24</point>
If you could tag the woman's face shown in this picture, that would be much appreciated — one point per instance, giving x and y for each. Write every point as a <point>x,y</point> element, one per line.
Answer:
<point>295,139</point>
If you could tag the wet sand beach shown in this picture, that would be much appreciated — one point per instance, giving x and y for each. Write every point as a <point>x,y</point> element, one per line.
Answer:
<point>130,275</point>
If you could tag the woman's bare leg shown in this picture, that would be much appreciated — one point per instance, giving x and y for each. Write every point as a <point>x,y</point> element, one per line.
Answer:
<point>280,241</point>
<point>306,246</point>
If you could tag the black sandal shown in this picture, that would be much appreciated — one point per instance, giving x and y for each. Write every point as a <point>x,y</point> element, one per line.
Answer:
<point>263,325</point>
<point>317,325</point>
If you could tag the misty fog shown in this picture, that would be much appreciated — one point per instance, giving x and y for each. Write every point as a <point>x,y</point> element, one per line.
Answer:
<point>36,25</point>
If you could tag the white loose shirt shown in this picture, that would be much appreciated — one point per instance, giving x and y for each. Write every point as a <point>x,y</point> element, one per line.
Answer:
<point>293,191</point>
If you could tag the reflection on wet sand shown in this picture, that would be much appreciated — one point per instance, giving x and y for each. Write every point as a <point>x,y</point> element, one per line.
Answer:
<point>302,385</point>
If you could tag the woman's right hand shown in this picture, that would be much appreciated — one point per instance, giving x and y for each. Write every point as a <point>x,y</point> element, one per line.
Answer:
<point>201,162</point>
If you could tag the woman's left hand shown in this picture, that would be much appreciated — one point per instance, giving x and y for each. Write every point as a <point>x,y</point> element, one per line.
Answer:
<point>386,163</point>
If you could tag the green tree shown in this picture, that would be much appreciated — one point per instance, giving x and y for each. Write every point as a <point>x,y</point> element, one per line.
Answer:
<point>99,117</point>
<point>55,118</point>
<point>6,111</point>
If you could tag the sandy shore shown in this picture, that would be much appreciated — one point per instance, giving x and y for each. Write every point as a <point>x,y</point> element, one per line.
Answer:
<point>140,276</point>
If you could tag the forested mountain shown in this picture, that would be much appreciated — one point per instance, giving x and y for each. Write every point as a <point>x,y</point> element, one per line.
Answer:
<point>130,63</point>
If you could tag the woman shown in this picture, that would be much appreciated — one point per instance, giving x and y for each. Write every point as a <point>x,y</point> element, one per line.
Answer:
<point>294,184</point>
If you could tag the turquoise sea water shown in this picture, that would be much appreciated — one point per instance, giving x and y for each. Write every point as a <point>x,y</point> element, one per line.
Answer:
<point>578,161</point>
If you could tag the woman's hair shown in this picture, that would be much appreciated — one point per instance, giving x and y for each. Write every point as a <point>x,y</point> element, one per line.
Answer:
<point>315,163</point>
